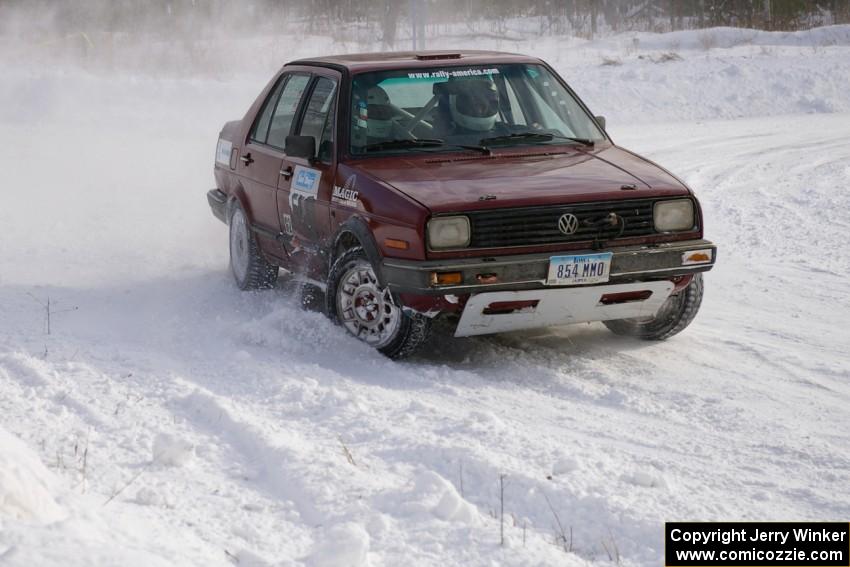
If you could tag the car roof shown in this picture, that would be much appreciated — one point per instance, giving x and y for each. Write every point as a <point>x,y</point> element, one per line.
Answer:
<point>358,62</point>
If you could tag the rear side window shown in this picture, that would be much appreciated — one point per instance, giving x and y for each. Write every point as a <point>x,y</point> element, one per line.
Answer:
<point>318,116</point>
<point>260,130</point>
<point>286,109</point>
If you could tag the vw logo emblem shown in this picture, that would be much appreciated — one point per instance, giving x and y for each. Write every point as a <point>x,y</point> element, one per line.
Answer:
<point>568,224</point>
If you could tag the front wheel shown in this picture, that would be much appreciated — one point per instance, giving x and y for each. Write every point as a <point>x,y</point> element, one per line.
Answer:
<point>356,300</point>
<point>674,315</point>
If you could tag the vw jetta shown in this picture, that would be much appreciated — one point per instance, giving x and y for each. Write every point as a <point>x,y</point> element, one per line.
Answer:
<point>473,185</point>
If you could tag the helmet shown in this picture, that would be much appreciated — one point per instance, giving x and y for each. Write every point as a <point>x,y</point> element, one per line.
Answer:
<point>371,116</point>
<point>475,106</point>
<point>379,113</point>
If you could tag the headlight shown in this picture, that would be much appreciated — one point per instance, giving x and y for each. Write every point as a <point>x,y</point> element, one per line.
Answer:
<point>670,216</point>
<point>448,232</point>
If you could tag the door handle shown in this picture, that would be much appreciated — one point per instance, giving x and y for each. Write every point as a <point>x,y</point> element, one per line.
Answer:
<point>247,159</point>
<point>286,172</point>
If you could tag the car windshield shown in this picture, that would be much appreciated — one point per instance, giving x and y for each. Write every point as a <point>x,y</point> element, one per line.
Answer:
<point>447,108</point>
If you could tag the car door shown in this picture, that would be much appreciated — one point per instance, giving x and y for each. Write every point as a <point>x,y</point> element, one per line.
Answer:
<point>262,156</point>
<point>303,202</point>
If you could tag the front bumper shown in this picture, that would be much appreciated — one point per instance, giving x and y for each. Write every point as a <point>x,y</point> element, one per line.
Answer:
<point>529,271</point>
<point>217,200</point>
<point>551,307</point>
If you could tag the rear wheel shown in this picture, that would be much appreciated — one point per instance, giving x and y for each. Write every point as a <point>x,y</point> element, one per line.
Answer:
<point>672,318</point>
<point>357,301</point>
<point>250,269</point>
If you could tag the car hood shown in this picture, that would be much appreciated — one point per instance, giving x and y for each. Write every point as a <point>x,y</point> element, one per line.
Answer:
<point>513,177</point>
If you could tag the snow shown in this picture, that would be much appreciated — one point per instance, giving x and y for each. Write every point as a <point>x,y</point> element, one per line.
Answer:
<point>169,419</point>
<point>43,521</point>
<point>171,451</point>
<point>344,545</point>
<point>25,484</point>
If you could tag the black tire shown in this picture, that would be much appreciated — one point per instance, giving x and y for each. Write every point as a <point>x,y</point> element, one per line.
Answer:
<point>247,264</point>
<point>398,339</point>
<point>676,314</point>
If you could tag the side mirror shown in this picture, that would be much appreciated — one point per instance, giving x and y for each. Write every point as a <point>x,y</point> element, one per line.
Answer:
<point>601,121</point>
<point>300,147</point>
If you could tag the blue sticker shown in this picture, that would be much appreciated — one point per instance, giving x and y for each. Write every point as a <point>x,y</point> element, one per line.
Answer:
<point>306,180</point>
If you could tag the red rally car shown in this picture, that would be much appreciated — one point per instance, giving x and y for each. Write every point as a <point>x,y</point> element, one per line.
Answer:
<point>472,185</point>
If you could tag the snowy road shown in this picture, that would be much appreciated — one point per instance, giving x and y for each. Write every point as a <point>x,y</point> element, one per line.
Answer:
<point>236,425</point>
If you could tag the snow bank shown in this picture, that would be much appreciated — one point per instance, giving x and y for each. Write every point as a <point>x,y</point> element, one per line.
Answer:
<point>702,87</point>
<point>26,486</point>
<point>630,78</point>
<point>725,38</point>
<point>42,522</point>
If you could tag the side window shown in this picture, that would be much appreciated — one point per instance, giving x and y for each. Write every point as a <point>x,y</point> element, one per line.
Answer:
<point>284,112</point>
<point>318,117</point>
<point>260,130</point>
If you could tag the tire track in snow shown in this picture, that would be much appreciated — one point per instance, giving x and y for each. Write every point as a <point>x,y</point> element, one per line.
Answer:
<point>271,468</point>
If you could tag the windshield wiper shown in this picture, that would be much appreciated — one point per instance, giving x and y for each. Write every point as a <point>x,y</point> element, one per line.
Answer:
<point>532,137</point>
<point>405,143</point>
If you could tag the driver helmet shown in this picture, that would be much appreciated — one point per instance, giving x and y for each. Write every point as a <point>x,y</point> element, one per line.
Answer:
<point>476,105</point>
<point>379,112</point>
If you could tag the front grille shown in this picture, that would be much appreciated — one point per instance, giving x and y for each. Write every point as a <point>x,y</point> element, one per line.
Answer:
<point>530,226</point>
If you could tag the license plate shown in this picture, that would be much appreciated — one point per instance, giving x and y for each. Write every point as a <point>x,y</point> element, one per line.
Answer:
<point>580,269</point>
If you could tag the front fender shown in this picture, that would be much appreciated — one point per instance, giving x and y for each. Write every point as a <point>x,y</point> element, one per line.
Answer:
<point>355,232</point>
